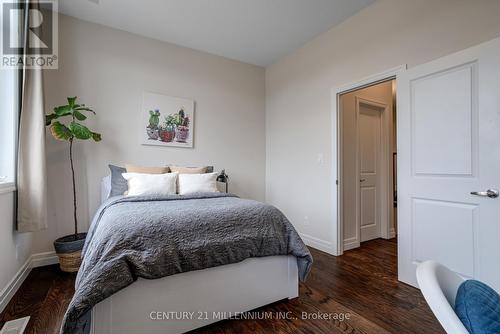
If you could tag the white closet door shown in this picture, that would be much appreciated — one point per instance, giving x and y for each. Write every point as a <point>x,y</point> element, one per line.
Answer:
<point>370,129</point>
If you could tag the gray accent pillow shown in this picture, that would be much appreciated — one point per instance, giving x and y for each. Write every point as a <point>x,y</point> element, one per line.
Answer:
<point>118,184</point>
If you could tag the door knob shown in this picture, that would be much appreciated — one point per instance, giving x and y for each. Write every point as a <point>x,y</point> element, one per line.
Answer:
<point>491,193</point>
<point>362,180</point>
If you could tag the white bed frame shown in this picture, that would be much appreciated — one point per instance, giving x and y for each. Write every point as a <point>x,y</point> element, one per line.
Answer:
<point>199,298</point>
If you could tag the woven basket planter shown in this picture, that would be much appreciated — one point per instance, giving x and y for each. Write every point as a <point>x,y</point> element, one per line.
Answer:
<point>70,262</point>
<point>69,251</point>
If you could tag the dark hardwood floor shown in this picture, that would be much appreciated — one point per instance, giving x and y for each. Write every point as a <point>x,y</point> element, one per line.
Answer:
<point>361,284</point>
<point>44,296</point>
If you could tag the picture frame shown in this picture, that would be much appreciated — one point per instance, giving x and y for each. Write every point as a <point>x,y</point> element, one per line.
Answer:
<point>167,120</point>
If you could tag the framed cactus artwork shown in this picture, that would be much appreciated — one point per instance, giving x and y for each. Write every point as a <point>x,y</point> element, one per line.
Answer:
<point>167,121</point>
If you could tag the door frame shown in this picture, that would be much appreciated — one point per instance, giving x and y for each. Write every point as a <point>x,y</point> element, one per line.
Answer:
<point>390,74</point>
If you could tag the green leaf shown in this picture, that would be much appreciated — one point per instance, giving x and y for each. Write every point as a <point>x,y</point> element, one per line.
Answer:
<point>49,118</point>
<point>80,131</point>
<point>96,136</point>
<point>71,101</point>
<point>79,116</point>
<point>83,108</point>
<point>60,131</point>
<point>62,110</point>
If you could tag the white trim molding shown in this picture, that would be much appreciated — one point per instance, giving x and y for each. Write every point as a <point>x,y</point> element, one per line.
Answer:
<point>351,243</point>
<point>392,233</point>
<point>8,292</point>
<point>322,245</point>
<point>35,260</point>
<point>337,246</point>
<point>7,187</point>
<point>370,80</point>
<point>44,259</point>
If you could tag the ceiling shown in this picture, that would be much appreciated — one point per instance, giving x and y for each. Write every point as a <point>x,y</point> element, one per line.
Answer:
<point>253,31</point>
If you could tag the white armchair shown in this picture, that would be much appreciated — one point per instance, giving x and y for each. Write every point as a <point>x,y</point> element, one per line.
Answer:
<point>439,285</point>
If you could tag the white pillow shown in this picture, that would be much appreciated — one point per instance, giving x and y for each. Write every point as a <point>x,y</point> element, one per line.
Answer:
<point>150,184</point>
<point>197,183</point>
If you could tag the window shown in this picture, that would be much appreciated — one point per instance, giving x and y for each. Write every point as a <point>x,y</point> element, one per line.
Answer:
<point>8,124</point>
<point>9,102</point>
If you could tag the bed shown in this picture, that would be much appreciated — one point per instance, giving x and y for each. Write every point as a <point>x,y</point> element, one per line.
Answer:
<point>183,294</point>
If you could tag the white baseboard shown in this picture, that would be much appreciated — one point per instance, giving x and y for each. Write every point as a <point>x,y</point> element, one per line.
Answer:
<point>351,243</point>
<point>317,243</point>
<point>8,292</point>
<point>35,260</point>
<point>392,233</point>
<point>44,259</point>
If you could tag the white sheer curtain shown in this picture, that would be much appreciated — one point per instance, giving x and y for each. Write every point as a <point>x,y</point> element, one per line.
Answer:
<point>31,167</point>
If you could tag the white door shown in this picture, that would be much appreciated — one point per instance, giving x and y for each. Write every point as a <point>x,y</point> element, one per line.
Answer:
<point>448,147</point>
<point>369,132</point>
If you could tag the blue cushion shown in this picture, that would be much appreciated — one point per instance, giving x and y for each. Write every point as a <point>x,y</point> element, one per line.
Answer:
<point>118,183</point>
<point>478,307</point>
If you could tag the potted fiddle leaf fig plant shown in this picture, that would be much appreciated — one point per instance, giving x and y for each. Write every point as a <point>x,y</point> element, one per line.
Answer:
<point>69,248</point>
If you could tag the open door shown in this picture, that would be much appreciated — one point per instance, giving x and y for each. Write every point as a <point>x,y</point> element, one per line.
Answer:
<point>449,164</point>
<point>370,160</point>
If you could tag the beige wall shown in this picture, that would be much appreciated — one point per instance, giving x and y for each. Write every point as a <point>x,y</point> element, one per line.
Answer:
<point>350,180</point>
<point>110,69</point>
<point>298,91</point>
<point>15,247</point>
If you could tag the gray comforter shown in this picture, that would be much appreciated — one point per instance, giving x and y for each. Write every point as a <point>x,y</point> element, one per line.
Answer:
<point>154,237</point>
